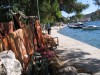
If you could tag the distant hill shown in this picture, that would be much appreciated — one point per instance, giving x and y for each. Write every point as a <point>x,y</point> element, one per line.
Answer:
<point>94,15</point>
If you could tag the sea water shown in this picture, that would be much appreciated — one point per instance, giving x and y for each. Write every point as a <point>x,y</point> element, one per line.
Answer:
<point>91,37</point>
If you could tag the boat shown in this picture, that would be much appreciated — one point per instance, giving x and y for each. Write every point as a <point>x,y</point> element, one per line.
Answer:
<point>91,27</point>
<point>76,25</point>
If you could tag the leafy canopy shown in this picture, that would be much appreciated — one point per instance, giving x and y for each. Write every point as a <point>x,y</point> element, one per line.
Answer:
<point>49,10</point>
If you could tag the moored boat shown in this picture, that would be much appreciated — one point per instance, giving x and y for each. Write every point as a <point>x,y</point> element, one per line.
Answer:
<point>91,27</point>
<point>76,25</point>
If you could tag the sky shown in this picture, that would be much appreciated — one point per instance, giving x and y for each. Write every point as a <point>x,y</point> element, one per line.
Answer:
<point>90,9</point>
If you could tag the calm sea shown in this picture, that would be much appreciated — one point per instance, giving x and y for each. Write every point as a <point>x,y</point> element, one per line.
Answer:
<point>91,37</point>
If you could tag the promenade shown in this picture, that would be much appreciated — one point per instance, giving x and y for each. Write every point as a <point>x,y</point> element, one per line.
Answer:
<point>76,52</point>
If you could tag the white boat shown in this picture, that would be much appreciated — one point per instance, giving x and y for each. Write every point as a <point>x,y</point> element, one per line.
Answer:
<point>76,25</point>
<point>91,27</point>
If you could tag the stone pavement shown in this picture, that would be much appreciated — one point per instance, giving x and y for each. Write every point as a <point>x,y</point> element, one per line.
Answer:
<point>77,53</point>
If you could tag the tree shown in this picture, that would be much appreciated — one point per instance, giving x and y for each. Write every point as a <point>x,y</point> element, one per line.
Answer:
<point>78,16</point>
<point>97,2</point>
<point>50,10</point>
<point>79,7</point>
<point>70,6</point>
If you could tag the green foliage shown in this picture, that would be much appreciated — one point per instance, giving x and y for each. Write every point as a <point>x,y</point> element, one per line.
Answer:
<point>79,16</point>
<point>97,2</point>
<point>67,5</point>
<point>70,6</point>
<point>50,10</point>
<point>58,13</point>
<point>5,15</point>
<point>79,7</point>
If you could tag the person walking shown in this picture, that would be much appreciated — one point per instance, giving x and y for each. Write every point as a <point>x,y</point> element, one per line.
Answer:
<point>49,29</point>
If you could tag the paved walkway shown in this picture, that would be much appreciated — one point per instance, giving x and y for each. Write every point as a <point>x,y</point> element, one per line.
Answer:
<point>77,52</point>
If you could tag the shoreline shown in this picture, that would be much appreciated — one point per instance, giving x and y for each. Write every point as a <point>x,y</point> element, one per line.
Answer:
<point>77,52</point>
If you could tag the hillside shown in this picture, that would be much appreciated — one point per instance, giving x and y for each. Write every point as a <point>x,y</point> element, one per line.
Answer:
<point>94,15</point>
